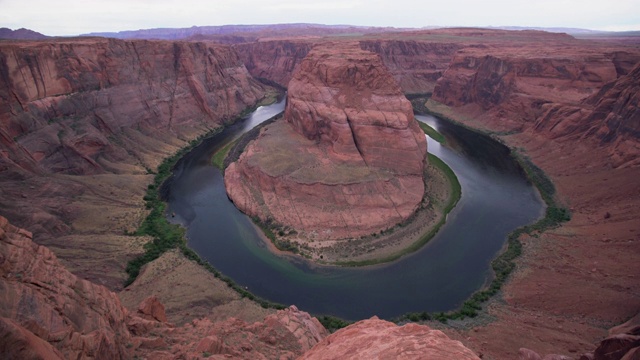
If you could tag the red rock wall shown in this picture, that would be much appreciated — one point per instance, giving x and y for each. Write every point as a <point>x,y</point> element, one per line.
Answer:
<point>275,60</point>
<point>577,92</point>
<point>40,299</point>
<point>48,313</point>
<point>411,341</point>
<point>611,117</point>
<point>416,65</point>
<point>519,80</point>
<point>348,100</point>
<point>67,104</point>
<point>103,106</point>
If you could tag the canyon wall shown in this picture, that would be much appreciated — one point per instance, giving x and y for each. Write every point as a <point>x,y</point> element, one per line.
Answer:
<point>347,160</point>
<point>514,87</point>
<point>416,65</point>
<point>84,123</point>
<point>274,60</point>
<point>572,109</point>
<point>610,117</point>
<point>48,313</point>
<point>61,101</point>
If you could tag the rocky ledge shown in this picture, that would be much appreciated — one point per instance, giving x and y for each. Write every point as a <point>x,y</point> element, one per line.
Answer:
<point>346,161</point>
<point>46,312</point>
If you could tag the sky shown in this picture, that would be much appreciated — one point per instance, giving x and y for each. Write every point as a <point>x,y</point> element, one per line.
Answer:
<point>74,17</point>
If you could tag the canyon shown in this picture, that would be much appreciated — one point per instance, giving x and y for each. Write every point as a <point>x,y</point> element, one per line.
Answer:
<point>85,122</point>
<point>346,160</point>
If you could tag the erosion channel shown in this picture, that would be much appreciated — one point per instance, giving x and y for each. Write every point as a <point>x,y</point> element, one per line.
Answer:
<point>496,199</point>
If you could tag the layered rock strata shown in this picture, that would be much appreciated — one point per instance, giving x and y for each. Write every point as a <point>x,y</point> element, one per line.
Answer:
<point>514,88</point>
<point>572,111</point>
<point>84,123</point>
<point>348,158</point>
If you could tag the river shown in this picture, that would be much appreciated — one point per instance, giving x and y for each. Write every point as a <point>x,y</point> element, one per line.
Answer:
<point>496,199</point>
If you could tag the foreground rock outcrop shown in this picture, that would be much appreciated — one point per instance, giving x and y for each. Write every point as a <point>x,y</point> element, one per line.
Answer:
<point>48,313</point>
<point>348,158</point>
<point>379,339</point>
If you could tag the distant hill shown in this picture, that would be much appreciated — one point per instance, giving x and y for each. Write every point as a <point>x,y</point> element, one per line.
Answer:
<point>247,33</point>
<point>21,34</point>
<point>571,31</point>
<point>221,32</point>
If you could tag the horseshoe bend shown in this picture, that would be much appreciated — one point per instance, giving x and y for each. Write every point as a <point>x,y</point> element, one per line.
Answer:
<point>347,159</point>
<point>86,125</point>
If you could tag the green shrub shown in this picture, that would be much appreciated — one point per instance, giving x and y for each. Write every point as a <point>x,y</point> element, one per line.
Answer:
<point>333,323</point>
<point>504,264</point>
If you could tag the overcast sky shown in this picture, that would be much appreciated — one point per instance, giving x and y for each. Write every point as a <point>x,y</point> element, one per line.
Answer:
<point>72,17</point>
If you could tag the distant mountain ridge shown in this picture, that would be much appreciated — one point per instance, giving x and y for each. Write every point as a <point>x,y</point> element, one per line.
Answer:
<point>21,34</point>
<point>301,29</point>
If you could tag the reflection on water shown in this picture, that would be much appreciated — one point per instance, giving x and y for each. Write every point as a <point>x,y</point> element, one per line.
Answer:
<point>496,198</point>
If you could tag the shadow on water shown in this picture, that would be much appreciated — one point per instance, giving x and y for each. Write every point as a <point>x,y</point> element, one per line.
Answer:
<point>496,198</point>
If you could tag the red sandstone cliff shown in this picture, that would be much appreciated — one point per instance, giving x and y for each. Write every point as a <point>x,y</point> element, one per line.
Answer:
<point>75,106</point>
<point>513,84</point>
<point>74,112</point>
<point>349,159</point>
<point>48,313</point>
<point>274,60</point>
<point>416,65</point>
<point>570,92</point>
<point>572,110</point>
<point>611,117</point>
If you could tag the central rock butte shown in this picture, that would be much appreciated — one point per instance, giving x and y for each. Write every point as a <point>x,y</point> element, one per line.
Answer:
<point>348,158</point>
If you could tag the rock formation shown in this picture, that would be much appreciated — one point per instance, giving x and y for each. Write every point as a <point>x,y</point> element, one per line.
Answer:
<point>571,108</point>
<point>623,343</point>
<point>416,65</point>
<point>63,100</point>
<point>611,117</point>
<point>379,339</point>
<point>348,158</point>
<point>275,60</point>
<point>48,313</point>
<point>42,303</point>
<point>513,88</point>
<point>73,112</point>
